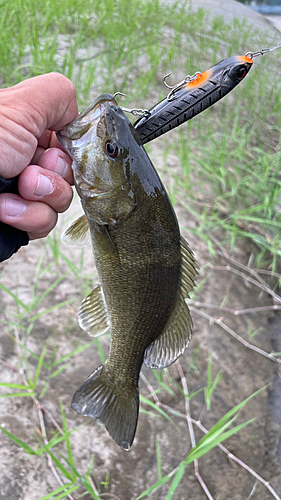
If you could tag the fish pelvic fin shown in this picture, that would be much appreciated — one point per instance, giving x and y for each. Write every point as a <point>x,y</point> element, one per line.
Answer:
<point>77,234</point>
<point>100,397</point>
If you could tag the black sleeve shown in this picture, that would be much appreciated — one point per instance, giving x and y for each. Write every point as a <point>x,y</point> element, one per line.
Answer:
<point>11,239</point>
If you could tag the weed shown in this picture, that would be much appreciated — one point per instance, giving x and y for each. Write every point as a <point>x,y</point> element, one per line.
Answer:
<point>227,178</point>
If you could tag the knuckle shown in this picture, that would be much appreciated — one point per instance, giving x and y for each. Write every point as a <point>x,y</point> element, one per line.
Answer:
<point>65,82</point>
<point>48,222</point>
<point>62,195</point>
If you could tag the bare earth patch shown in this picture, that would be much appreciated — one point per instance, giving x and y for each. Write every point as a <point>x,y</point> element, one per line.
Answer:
<point>244,372</point>
<point>226,285</point>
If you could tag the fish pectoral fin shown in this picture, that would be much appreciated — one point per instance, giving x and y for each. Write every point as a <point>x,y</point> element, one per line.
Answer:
<point>118,410</point>
<point>173,340</point>
<point>78,233</point>
<point>92,314</point>
<point>189,268</point>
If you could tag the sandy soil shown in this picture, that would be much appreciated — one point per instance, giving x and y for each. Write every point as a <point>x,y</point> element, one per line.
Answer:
<point>244,371</point>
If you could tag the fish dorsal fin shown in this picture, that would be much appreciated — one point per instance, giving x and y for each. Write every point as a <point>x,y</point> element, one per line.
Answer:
<point>78,233</point>
<point>189,268</point>
<point>92,314</point>
<point>175,337</point>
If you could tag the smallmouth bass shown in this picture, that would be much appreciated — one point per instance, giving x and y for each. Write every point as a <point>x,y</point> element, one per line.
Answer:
<point>145,267</point>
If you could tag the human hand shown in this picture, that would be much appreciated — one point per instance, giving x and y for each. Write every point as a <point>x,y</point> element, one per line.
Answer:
<point>29,112</point>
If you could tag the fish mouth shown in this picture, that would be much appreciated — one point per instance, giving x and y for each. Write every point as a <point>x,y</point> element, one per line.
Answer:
<point>95,192</point>
<point>76,134</point>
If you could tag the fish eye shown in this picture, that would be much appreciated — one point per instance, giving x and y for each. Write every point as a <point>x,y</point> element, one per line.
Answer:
<point>112,149</point>
<point>241,73</point>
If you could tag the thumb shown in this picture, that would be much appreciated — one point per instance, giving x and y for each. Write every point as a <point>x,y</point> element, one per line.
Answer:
<point>26,111</point>
<point>46,102</point>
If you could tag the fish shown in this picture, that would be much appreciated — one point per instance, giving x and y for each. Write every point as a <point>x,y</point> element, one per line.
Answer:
<point>145,267</point>
<point>192,96</point>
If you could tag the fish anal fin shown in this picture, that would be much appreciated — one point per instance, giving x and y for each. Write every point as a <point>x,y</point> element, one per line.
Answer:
<point>77,234</point>
<point>99,398</point>
<point>92,314</point>
<point>173,340</point>
<point>189,269</point>
<point>175,337</point>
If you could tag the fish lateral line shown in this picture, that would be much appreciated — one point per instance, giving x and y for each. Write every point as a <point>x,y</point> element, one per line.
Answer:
<point>145,269</point>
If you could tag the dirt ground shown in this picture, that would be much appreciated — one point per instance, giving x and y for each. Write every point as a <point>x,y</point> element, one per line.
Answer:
<point>24,477</point>
<point>244,371</point>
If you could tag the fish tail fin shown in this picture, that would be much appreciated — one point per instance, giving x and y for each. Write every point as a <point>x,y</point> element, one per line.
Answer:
<point>101,398</point>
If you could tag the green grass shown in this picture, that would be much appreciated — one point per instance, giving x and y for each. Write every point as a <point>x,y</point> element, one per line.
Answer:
<point>59,448</point>
<point>67,466</point>
<point>242,200</point>
<point>227,178</point>
<point>214,437</point>
<point>128,46</point>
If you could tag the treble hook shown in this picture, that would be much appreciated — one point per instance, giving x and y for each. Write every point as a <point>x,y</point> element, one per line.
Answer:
<point>262,52</point>
<point>135,112</point>
<point>179,85</point>
<point>119,93</point>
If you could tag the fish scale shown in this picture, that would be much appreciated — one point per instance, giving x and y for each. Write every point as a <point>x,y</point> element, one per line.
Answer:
<point>145,268</point>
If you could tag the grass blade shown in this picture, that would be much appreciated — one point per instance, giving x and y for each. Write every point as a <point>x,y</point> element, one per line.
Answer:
<point>19,442</point>
<point>176,481</point>
<point>58,438</point>
<point>51,309</point>
<point>39,299</point>
<point>61,467</point>
<point>39,365</point>
<point>84,481</point>
<point>66,489</point>
<point>59,370</point>
<point>14,386</point>
<point>16,299</point>
<point>159,410</point>
<point>73,353</point>
<point>32,354</point>
<point>154,486</point>
<point>17,395</point>
<point>229,414</point>
<point>200,450</point>
<point>67,440</point>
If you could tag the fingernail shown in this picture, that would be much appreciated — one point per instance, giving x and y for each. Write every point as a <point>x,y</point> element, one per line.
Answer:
<point>14,207</point>
<point>61,166</point>
<point>44,186</point>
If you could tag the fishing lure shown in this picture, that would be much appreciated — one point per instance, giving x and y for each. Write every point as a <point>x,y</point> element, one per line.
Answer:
<point>193,95</point>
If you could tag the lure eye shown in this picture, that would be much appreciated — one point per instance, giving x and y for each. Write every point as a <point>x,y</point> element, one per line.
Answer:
<point>241,73</point>
<point>112,149</point>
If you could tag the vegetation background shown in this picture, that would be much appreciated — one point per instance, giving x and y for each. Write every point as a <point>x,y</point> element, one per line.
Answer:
<point>222,174</point>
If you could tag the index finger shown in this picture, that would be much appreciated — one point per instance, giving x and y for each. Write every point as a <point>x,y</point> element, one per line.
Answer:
<point>44,102</point>
<point>49,140</point>
<point>27,111</point>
